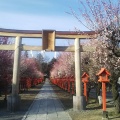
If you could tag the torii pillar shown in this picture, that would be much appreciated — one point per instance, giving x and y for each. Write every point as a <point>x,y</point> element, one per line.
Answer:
<point>78,100</point>
<point>13,100</point>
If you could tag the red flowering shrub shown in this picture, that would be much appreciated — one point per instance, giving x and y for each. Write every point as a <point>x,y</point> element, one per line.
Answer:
<point>6,65</point>
<point>30,68</point>
<point>64,66</point>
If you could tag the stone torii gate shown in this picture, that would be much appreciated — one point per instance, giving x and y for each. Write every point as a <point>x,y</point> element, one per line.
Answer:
<point>48,44</point>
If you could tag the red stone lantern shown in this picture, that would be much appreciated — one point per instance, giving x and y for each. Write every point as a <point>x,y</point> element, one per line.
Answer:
<point>85,78</point>
<point>103,78</point>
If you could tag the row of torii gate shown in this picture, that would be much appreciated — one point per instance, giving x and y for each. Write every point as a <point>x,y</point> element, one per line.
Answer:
<point>48,44</point>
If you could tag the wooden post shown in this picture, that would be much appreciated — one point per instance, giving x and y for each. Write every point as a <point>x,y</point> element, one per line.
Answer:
<point>104,95</point>
<point>103,77</point>
<point>15,82</point>
<point>79,99</point>
<point>14,99</point>
<point>78,68</point>
<point>85,91</point>
<point>85,77</point>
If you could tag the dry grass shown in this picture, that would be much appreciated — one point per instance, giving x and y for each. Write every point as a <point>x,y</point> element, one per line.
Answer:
<point>93,109</point>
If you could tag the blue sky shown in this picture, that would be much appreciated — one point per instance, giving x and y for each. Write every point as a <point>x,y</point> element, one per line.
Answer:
<point>38,15</point>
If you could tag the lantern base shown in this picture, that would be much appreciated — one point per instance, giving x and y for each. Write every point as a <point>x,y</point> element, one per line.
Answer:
<point>13,103</point>
<point>79,103</point>
<point>105,115</point>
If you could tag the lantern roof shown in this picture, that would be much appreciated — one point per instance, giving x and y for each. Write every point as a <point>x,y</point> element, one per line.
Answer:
<point>103,70</point>
<point>85,75</point>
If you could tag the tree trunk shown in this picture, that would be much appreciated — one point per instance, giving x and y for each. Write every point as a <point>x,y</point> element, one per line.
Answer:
<point>98,87</point>
<point>116,98</point>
